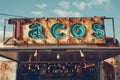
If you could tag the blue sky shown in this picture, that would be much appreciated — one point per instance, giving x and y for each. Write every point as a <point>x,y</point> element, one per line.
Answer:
<point>61,8</point>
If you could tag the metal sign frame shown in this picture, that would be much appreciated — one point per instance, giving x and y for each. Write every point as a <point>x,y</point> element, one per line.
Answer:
<point>6,41</point>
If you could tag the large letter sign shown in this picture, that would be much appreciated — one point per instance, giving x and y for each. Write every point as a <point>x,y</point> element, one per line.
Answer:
<point>62,31</point>
<point>36,31</point>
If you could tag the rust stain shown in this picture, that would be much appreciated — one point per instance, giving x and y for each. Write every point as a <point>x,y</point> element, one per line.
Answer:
<point>67,22</point>
<point>7,69</point>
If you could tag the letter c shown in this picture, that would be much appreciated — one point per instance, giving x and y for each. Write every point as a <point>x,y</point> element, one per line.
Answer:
<point>54,29</point>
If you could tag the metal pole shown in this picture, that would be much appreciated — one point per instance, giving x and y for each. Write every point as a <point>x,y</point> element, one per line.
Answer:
<point>113,30</point>
<point>4,31</point>
<point>113,27</point>
<point>98,70</point>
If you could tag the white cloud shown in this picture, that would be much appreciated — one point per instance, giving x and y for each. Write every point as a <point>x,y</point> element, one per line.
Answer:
<point>1,21</point>
<point>83,5</point>
<point>103,2</point>
<point>80,5</point>
<point>38,13</point>
<point>64,4</point>
<point>65,10</point>
<point>98,2</point>
<point>66,13</point>
<point>41,6</point>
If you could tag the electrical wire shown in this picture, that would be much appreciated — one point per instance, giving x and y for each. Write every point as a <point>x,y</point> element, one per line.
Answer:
<point>4,14</point>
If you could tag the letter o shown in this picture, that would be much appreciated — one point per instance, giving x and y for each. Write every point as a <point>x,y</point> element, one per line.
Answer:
<point>81,30</point>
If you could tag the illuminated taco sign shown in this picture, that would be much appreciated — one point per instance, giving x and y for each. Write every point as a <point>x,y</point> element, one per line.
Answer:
<point>59,30</point>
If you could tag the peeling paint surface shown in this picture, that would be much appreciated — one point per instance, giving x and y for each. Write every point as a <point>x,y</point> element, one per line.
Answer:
<point>7,69</point>
<point>113,67</point>
<point>43,27</point>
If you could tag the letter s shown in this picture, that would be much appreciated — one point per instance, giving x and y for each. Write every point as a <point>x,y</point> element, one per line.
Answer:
<point>99,31</point>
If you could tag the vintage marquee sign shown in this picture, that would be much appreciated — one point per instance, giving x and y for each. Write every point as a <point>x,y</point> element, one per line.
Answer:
<point>79,30</point>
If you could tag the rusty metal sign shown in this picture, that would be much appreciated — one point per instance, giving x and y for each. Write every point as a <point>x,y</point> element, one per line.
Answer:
<point>8,69</point>
<point>80,30</point>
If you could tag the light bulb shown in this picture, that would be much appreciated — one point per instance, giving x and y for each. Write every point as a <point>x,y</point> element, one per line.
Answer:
<point>81,54</point>
<point>58,56</point>
<point>35,54</point>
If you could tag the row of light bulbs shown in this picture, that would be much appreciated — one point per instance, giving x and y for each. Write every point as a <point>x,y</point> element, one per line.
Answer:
<point>58,57</point>
<point>58,54</point>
